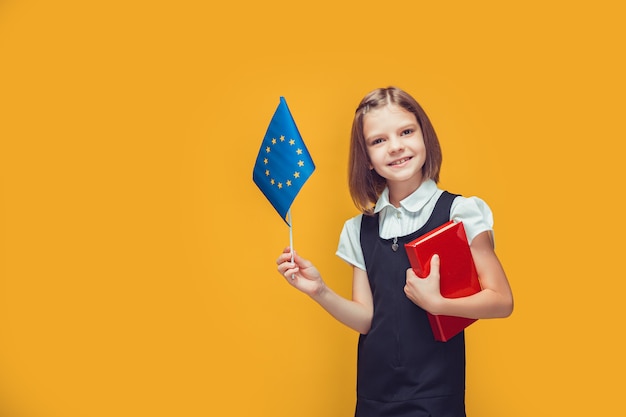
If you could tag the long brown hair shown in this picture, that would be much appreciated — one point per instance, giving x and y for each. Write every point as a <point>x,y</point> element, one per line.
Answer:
<point>365,184</point>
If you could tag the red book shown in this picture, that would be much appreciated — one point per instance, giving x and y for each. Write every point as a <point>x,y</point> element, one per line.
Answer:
<point>457,271</point>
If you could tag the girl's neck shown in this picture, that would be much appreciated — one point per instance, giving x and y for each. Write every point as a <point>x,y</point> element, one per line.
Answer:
<point>400,191</point>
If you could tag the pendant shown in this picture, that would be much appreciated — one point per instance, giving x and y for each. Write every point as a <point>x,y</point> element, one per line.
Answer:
<point>394,246</point>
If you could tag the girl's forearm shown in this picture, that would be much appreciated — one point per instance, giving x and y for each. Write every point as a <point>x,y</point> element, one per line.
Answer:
<point>353,314</point>
<point>485,304</point>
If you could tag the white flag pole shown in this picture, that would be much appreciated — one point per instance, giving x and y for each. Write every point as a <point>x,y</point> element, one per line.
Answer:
<point>293,276</point>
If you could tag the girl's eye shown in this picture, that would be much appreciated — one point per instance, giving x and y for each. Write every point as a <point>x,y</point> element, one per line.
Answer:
<point>407,132</point>
<point>377,141</point>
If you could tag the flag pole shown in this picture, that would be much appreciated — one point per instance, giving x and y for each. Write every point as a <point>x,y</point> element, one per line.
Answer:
<point>293,276</point>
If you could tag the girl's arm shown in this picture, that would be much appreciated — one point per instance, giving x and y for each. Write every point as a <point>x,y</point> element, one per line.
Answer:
<point>494,300</point>
<point>356,313</point>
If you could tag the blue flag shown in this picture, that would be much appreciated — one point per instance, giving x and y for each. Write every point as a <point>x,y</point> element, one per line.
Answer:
<point>283,164</point>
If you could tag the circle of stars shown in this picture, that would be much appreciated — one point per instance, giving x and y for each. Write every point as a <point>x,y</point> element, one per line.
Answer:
<point>296,174</point>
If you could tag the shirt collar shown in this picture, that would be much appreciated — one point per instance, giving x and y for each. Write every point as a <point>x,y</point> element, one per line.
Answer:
<point>414,202</point>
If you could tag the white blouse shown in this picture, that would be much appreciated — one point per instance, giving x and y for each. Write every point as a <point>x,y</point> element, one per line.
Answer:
<point>413,213</point>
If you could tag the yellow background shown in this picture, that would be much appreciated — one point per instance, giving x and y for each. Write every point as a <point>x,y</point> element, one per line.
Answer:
<point>137,255</point>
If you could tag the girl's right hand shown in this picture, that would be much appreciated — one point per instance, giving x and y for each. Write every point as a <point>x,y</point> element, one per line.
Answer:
<point>300,273</point>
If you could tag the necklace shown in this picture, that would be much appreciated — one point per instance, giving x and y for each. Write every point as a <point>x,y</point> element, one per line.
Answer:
<point>394,246</point>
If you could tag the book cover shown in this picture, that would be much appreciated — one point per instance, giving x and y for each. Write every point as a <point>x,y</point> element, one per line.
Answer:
<point>457,271</point>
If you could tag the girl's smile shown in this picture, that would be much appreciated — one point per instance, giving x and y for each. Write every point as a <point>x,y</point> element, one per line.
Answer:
<point>400,161</point>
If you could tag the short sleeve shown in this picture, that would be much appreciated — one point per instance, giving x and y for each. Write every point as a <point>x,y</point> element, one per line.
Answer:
<point>349,248</point>
<point>475,215</point>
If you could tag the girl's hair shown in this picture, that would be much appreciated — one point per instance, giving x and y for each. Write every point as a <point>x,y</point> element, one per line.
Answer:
<point>365,184</point>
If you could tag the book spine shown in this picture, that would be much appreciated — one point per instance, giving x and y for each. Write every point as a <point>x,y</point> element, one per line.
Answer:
<point>435,324</point>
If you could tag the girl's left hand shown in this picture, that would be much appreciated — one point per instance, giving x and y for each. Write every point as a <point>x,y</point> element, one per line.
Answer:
<point>425,292</point>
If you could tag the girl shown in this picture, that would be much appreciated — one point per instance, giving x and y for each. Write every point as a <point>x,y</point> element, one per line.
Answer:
<point>395,158</point>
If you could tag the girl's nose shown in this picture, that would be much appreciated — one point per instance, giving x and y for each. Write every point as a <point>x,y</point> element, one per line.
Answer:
<point>395,144</point>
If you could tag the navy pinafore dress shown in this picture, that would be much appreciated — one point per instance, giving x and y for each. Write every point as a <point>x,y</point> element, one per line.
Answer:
<point>402,370</point>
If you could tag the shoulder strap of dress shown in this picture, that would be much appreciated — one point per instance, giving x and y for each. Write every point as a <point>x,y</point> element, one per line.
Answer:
<point>369,231</point>
<point>441,212</point>
<point>445,202</point>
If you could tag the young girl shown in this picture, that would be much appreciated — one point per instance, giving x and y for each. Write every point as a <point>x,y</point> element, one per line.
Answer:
<point>395,159</point>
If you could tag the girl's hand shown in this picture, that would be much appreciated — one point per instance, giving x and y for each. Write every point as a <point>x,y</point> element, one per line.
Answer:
<point>425,292</point>
<point>300,273</point>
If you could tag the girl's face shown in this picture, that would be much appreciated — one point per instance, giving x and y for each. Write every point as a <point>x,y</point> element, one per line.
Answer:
<point>395,145</point>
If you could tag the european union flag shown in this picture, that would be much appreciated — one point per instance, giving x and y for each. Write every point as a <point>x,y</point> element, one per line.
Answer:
<point>283,164</point>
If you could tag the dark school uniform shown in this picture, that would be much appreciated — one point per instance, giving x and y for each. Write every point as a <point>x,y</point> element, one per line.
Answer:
<point>402,370</point>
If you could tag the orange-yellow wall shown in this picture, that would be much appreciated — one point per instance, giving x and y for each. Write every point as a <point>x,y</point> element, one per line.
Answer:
<point>137,256</point>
